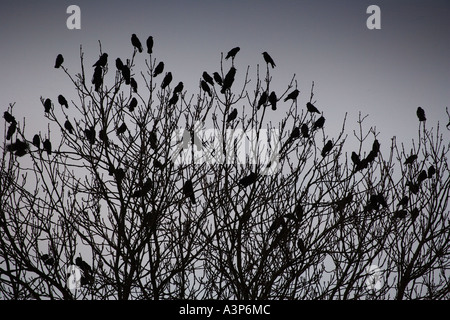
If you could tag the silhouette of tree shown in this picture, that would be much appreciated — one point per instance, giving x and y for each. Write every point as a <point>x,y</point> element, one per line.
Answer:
<point>155,208</point>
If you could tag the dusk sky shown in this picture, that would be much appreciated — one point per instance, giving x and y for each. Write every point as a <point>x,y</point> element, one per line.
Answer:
<point>384,73</point>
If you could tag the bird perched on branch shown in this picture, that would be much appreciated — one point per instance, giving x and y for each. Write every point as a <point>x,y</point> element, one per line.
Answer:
<point>47,146</point>
<point>126,74</point>
<point>411,159</point>
<point>62,101</point>
<point>11,130</point>
<point>167,80</point>
<point>90,134</point>
<point>431,171</point>
<point>97,79</point>
<point>319,123</point>
<point>133,85</point>
<point>158,69</point>
<point>59,61</point>
<point>148,185</point>
<point>119,64</point>
<point>150,45</point>
<point>292,96</point>
<point>9,117</point>
<point>133,104</point>
<point>273,100</point>
<point>122,128</point>
<point>217,78</point>
<point>102,61</point>
<point>178,88</point>
<point>207,78</point>
<point>188,190</point>
<point>47,105</point>
<point>262,100</point>
<point>205,87</point>
<point>305,130</point>
<point>232,53</point>
<point>248,180</point>
<point>135,42</point>
<point>268,59</point>
<point>19,148</point>
<point>68,126</point>
<point>311,108</point>
<point>232,115</point>
<point>229,79</point>
<point>421,114</point>
<point>327,148</point>
<point>36,141</point>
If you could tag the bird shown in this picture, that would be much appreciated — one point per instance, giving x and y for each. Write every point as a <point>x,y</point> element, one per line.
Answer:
<point>355,159</point>
<point>19,147</point>
<point>262,100</point>
<point>376,147</point>
<point>188,190</point>
<point>47,105</point>
<point>178,88</point>
<point>311,108</point>
<point>167,79</point>
<point>295,134</point>
<point>421,114</point>
<point>126,73</point>
<point>400,214</point>
<point>153,140</point>
<point>86,277</point>
<point>9,117</point>
<point>205,87</point>
<point>423,175</point>
<point>132,105</point>
<point>301,246</point>
<point>431,171</point>
<point>119,64</point>
<point>292,96</point>
<point>47,146</point>
<point>268,59</point>
<point>410,159</point>
<point>36,141</point>
<point>319,123</point>
<point>47,259</point>
<point>232,53</point>
<point>133,85</point>
<point>248,180</point>
<point>414,188</point>
<point>135,42</point>
<point>403,202</point>
<point>414,214</point>
<point>207,78</point>
<point>59,61</point>
<point>11,130</point>
<point>298,211</point>
<point>62,101</point>
<point>158,164</point>
<point>119,174</point>
<point>217,78</point>
<point>327,148</point>
<point>97,80</point>
<point>90,134</point>
<point>173,100</point>
<point>102,61</point>
<point>122,128</point>
<point>103,135</point>
<point>68,126</point>
<point>229,79</point>
<point>148,185</point>
<point>232,115</point>
<point>158,69</point>
<point>304,130</point>
<point>382,200</point>
<point>150,45</point>
<point>273,100</point>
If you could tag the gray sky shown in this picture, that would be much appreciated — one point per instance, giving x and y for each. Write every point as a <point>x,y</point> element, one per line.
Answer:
<point>385,73</point>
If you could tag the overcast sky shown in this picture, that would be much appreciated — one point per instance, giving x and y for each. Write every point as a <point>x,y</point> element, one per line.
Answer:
<point>385,73</point>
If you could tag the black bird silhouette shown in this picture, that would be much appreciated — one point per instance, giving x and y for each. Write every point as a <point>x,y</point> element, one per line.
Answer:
<point>90,134</point>
<point>413,187</point>
<point>11,130</point>
<point>126,74</point>
<point>319,123</point>
<point>298,211</point>
<point>217,78</point>
<point>414,214</point>
<point>295,134</point>
<point>86,269</point>
<point>301,246</point>
<point>376,147</point>
<point>153,140</point>
<point>423,175</point>
<point>47,105</point>
<point>68,126</point>
<point>36,141</point>
<point>431,171</point>
<point>97,80</point>
<point>207,78</point>
<point>370,157</point>
<point>232,53</point>
<point>411,159</point>
<point>103,135</point>
<point>158,69</point>
<point>133,85</point>
<point>135,42</point>
<point>382,200</point>
<point>148,185</point>
<point>268,59</point>
<point>292,96</point>
<point>327,148</point>
<point>188,190</point>
<point>59,61</point>
<point>119,64</point>
<point>400,214</point>
<point>403,202</point>
<point>311,108</point>
<point>133,104</point>
<point>150,45</point>
<point>158,164</point>
<point>273,100</point>
<point>173,100</point>
<point>47,146</point>
<point>421,114</point>
<point>9,117</point>
<point>229,79</point>
<point>122,128</point>
<point>119,174</point>
<point>178,88</point>
<point>19,148</point>
<point>355,159</point>
<point>305,131</point>
<point>248,180</point>
<point>48,260</point>
<point>62,101</point>
<point>167,80</point>
<point>205,87</point>
<point>102,61</point>
<point>232,115</point>
<point>262,100</point>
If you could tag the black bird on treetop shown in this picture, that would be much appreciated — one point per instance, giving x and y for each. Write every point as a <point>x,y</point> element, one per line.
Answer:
<point>414,214</point>
<point>178,88</point>
<point>421,114</point>
<point>103,135</point>
<point>355,158</point>
<point>229,79</point>
<point>167,80</point>
<point>305,131</point>
<point>262,100</point>
<point>48,261</point>
<point>126,73</point>
<point>413,187</point>
<point>48,146</point>
<point>47,105</point>
<point>293,95</point>
<point>205,87</point>
<point>327,148</point>
<point>59,61</point>
<point>248,180</point>
<point>19,148</point>
<point>145,189</point>
<point>11,130</point>
<point>232,53</point>
<point>122,128</point>
<point>311,108</point>
<point>90,134</point>
<point>273,100</point>
<point>319,123</point>
<point>102,61</point>
<point>150,45</point>
<point>410,159</point>
<point>62,101</point>
<point>133,104</point>
<point>431,171</point>
<point>97,80</point>
<point>135,42</point>
<point>217,78</point>
<point>268,59</point>
<point>188,190</point>
<point>232,115</point>
<point>173,100</point>
<point>153,140</point>
<point>119,64</point>
<point>295,134</point>
<point>422,176</point>
<point>207,78</point>
<point>68,126</point>
<point>133,85</point>
<point>36,141</point>
<point>9,117</point>
<point>158,69</point>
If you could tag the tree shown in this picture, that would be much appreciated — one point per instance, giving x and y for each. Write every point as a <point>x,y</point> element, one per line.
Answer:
<point>168,199</point>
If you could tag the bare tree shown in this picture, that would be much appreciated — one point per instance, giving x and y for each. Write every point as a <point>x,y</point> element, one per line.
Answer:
<point>149,193</point>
